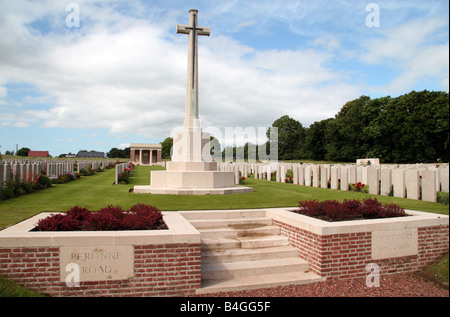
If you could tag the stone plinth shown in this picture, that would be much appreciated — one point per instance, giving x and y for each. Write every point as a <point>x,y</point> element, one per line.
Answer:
<point>191,166</point>
<point>193,182</point>
<point>192,179</point>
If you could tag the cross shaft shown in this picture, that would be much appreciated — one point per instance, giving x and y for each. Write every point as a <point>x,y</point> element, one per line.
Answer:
<point>193,30</point>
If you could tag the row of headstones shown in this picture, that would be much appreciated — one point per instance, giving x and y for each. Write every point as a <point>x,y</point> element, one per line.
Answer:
<point>120,168</point>
<point>17,171</point>
<point>93,164</point>
<point>405,181</point>
<point>28,170</point>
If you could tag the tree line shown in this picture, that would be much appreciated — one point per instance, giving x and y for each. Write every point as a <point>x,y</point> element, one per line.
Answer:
<point>411,128</point>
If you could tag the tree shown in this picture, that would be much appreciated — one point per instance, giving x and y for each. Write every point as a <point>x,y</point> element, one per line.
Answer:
<point>315,146</point>
<point>23,151</point>
<point>290,137</point>
<point>410,128</point>
<point>118,153</point>
<point>344,137</point>
<point>167,145</point>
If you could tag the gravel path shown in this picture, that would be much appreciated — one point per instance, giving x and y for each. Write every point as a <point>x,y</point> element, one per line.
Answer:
<point>398,285</point>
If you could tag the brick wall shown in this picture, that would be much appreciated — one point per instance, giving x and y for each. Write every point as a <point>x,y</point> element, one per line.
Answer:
<point>347,255</point>
<point>159,270</point>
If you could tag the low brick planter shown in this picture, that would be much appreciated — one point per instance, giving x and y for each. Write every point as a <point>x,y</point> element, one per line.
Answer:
<point>344,249</point>
<point>108,263</point>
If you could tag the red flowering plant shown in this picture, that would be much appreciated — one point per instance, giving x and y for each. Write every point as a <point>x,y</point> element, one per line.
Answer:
<point>142,216</point>
<point>138,217</point>
<point>241,180</point>
<point>359,187</point>
<point>332,210</point>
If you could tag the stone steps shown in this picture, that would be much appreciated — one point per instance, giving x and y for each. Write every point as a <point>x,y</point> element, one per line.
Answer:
<point>241,249</point>
<point>258,281</point>
<point>230,222</point>
<point>230,270</point>
<point>235,255</point>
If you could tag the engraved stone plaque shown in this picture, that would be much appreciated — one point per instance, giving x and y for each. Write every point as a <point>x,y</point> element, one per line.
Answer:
<point>394,243</point>
<point>96,263</point>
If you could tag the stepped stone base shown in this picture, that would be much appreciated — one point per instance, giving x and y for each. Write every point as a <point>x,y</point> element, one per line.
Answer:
<point>191,191</point>
<point>202,179</point>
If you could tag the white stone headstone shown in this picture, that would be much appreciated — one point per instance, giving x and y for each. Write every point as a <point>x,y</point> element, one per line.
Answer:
<point>334,177</point>
<point>373,180</point>
<point>308,174</point>
<point>398,182</point>
<point>324,176</point>
<point>412,184</point>
<point>386,181</point>
<point>429,190</point>
<point>344,178</point>
<point>315,175</point>
<point>301,175</point>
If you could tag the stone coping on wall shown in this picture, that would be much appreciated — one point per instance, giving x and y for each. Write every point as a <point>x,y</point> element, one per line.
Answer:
<point>179,230</point>
<point>415,219</point>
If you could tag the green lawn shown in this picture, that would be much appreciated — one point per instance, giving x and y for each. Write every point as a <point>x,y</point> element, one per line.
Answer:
<point>97,191</point>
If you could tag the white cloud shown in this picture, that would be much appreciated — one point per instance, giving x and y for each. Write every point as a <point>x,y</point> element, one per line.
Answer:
<point>126,73</point>
<point>123,145</point>
<point>69,140</point>
<point>416,49</point>
<point>132,80</point>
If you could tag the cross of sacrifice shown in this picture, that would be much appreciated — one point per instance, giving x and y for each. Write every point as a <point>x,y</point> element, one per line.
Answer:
<point>192,74</point>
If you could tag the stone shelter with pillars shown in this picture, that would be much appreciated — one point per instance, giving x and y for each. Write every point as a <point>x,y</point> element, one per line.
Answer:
<point>145,154</point>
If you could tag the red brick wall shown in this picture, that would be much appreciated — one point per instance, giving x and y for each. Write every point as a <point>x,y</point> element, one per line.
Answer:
<point>159,270</point>
<point>347,255</point>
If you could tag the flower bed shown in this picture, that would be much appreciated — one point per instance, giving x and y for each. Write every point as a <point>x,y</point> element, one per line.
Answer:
<point>332,210</point>
<point>138,217</point>
<point>109,263</point>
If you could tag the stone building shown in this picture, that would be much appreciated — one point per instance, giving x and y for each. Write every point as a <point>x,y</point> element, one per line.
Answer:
<point>145,154</point>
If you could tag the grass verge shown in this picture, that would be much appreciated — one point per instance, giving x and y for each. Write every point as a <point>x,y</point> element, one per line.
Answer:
<point>97,191</point>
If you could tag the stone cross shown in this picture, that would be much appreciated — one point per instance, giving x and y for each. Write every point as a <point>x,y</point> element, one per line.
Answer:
<point>192,74</point>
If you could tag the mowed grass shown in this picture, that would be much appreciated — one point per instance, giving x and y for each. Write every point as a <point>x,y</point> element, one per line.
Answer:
<point>97,191</point>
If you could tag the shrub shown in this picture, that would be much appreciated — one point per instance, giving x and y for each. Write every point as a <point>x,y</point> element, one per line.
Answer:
<point>332,210</point>
<point>58,222</point>
<point>358,187</point>
<point>87,171</point>
<point>17,187</point>
<point>124,177</point>
<point>43,181</point>
<point>138,217</point>
<point>78,213</point>
<point>141,216</point>
<point>106,219</point>
<point>442,197</point>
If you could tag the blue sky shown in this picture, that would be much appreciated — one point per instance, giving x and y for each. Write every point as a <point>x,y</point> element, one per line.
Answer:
<point>119,77</point>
